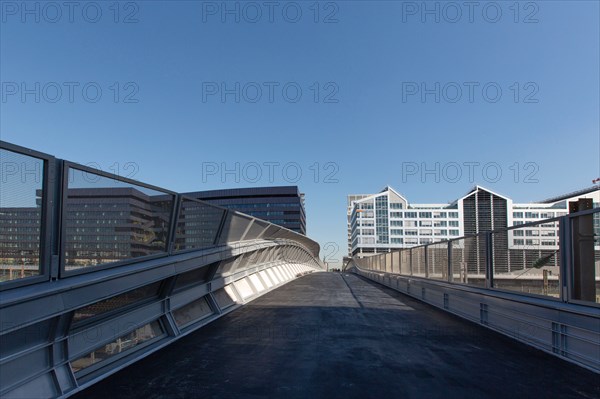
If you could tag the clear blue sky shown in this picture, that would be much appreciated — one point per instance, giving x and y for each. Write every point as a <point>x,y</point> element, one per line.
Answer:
<point>367,58</point>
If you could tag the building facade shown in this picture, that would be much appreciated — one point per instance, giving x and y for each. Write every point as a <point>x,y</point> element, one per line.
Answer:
<point>386,220</point>
<point>110,224</point>
<point>105,225</point>
<point>352,198</point>
<point>283,206</point>
<point>101,225</point>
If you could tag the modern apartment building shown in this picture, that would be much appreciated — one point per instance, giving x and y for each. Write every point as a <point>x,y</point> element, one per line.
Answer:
<point>387,220</point>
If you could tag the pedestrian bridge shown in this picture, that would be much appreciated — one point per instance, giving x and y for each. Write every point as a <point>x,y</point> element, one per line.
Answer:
<point>98,272</point>
<point>340,335</point>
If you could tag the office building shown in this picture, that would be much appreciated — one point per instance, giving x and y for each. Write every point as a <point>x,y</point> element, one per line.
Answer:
<point>351,199</point>
<point>387,220</point>
<point>101,225</point>
<point>283,205</point>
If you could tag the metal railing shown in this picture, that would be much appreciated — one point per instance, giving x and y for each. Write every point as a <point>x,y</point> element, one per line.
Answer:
<point>534,282</point>
<point>531,259</point>
<point>60,219</point>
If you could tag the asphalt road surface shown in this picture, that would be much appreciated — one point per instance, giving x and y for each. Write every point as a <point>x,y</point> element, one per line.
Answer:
<point>330,335</point>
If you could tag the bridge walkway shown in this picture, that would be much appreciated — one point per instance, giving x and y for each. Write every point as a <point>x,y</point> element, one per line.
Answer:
<point>331,335</point>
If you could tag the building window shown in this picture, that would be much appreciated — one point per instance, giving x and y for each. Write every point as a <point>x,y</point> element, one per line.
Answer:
<point>383,240</point>
<point>368,240</point>
<point>518,215</point>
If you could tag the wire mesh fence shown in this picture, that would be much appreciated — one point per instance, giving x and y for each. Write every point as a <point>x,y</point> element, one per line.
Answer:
<point>527,259</point>
<point>437,261</point>
<point>468,260</point>
<point>419,268</point>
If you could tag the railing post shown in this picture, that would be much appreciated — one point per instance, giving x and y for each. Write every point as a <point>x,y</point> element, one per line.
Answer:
<point>426,249</point>
<point>177,204</point>
<point>566,260</point>
<point>410,262</point>
<point>582,247</point>
<point>489,260</point>
<point>399,261</point>
<point>449,265</point>
<point>53,229</point>
<point>220,229</point>
<point>61,192</point>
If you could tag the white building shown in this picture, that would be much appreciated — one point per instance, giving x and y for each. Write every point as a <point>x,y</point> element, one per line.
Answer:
<point>351,199</point>
<point>386,220</point>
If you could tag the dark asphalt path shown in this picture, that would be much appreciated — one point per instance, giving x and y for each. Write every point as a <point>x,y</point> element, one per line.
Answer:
<point>329,335</point>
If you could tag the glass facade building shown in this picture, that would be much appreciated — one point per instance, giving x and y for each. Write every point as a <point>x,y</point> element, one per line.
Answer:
<point>101,226</point>
<point>104,224</point>
<point>283,206</point>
